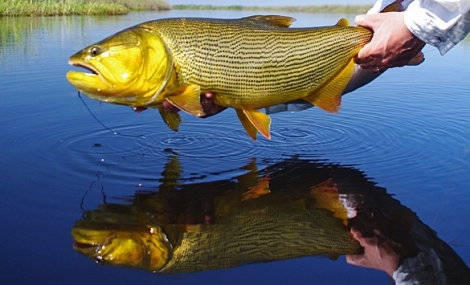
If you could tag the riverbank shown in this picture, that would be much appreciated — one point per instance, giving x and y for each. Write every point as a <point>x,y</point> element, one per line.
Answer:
<point>78,7</point>
<point>352,9</point>
<point>121,7</point>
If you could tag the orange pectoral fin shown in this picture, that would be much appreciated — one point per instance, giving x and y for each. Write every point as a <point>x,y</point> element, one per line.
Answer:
<point>187,99</point>
<point>328,97</point>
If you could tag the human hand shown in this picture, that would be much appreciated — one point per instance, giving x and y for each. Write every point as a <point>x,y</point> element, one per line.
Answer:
<point>392,44</point>
<point>377,253</point>
<point>207,102</point>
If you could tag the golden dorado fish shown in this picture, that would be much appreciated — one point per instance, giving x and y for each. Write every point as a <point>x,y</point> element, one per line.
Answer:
<point>248,63</point>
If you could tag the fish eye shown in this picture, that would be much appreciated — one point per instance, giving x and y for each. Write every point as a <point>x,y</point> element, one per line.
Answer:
<point>94,51</point>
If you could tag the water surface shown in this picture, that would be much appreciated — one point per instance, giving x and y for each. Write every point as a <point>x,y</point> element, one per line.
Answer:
<point>406,134</point>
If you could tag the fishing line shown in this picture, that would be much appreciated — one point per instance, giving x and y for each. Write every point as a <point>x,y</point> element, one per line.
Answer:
<point>103,194</point>
<point>104,126</point>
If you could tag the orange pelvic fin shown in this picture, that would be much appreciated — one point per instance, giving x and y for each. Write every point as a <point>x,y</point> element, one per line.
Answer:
<point>172,120</point>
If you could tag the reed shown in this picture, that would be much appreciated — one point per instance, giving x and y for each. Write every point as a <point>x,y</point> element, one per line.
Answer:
<point>77,7</point>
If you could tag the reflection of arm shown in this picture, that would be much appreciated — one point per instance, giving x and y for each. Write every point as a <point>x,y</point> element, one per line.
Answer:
<point>425,268</point>
<point>378,252</point>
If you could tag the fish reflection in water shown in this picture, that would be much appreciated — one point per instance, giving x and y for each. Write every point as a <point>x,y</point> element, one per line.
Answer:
<point>291,209</point>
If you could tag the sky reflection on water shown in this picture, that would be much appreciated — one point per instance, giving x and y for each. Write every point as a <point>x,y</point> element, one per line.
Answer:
<point>407,131</point>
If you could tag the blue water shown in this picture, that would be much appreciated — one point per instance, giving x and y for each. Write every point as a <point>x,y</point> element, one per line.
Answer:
<point>407,132</point>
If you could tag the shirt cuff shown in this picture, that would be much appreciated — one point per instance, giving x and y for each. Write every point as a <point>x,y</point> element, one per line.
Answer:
<point>434,25</point>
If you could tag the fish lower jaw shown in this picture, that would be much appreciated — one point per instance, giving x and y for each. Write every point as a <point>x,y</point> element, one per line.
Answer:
<point>87,67</point>
<point>132,101</point>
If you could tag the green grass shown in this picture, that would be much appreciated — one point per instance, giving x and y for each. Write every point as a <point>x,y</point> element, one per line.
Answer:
<point>119,7</point>
<point>353,9</point>
<point>77,7</point>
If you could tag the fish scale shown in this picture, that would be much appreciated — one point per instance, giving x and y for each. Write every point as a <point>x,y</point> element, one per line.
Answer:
<point>247,63</point>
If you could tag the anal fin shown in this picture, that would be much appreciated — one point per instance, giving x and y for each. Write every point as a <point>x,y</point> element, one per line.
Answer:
<point>328,97</point>
<point>249,128</point>
<point>254,121</point>
<point>188,99</point>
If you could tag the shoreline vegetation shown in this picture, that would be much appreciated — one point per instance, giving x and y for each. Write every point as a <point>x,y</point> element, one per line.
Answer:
<point>78,7</point>
<point>353,9</point>
<point>122,7</point>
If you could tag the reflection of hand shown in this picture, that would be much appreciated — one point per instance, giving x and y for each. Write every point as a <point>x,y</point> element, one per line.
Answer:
<point>207,102</point>
<point>392,44</point>
<point>377,253</point>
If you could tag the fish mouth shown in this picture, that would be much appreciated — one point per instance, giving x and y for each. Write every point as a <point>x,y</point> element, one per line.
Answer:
<point>84,246</point>
<point>90,82</point>
<point>84,66</point>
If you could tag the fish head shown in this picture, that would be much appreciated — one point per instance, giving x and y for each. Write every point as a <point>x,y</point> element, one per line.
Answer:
<point>130,68</point>
<point>142,247</point>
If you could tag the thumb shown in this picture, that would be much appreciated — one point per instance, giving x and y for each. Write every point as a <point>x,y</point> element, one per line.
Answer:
<point>360,20</point>
<point>365,20</point>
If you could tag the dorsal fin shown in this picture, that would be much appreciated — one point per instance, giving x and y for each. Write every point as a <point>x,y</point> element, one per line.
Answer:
<point>273,20</point>
<point>343,22</point>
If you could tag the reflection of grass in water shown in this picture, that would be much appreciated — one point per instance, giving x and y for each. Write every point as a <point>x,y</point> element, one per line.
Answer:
<point>77,7</point>
<point>353,9</point>
<point>18,38</point>
<point>19,31</point>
